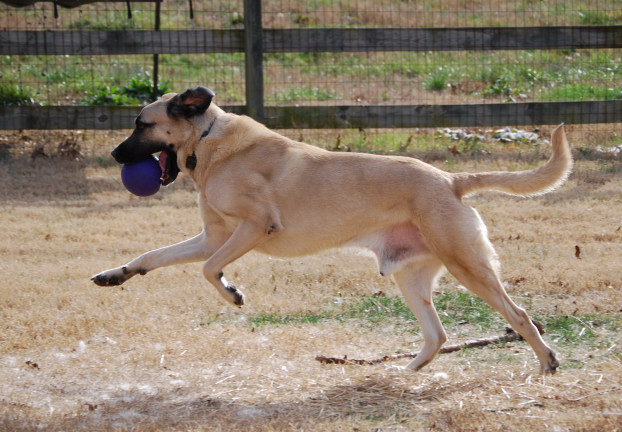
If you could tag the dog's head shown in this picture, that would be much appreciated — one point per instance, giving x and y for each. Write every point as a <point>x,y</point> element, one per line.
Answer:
<point>163,126</point>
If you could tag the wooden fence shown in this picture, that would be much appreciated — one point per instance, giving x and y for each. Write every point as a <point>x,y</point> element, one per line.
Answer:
<point>254,41</point>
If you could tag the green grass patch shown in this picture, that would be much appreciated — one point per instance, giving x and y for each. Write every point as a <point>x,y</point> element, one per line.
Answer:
<point>139,91</point>
<point>581,329</point>
<point>366,141</point>
<point>12,95</point>
<point>582,92</point>
<point>600,17</point>
<point>115,20</point>
<point>438,81</point>
<point>376,310</point>
<point>368,310</point>
<point>109,95</point>
<point>293,94</point>
<point>596,74</point>
<point>141,88</point>
<point>455,308</point>
<point>503,86</point>
<point>459,308</point>
<point>569,329</point>
<point>299,318</point>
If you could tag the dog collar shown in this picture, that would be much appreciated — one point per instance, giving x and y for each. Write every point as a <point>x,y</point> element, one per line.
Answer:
<point>208,130</point>
<point>191,161</point>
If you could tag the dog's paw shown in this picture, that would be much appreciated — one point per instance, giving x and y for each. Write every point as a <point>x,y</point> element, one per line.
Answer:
<point>112,277</point>
<point>237,296</point>
<point>105,280</point>
<point>550,367</point>
<point>398,369</point>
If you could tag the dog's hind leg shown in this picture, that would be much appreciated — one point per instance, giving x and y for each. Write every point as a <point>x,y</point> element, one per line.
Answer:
<point>484,282</point>
<point>470,257</point>
<point>417,281</point>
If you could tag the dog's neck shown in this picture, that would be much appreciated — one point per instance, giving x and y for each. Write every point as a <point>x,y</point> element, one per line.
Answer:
<point>207,131</point>
<point>213,126</point>
<point>191,160</point>
<point>229,135</point>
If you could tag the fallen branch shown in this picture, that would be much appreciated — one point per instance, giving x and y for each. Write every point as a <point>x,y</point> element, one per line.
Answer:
<point>509,336</point>
<point>613,389</point>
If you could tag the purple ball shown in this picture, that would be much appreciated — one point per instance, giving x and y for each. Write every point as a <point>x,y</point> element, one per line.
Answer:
<point>142,178</point>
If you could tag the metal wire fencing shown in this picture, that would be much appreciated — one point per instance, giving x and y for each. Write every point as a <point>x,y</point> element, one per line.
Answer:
<point>314,77</point>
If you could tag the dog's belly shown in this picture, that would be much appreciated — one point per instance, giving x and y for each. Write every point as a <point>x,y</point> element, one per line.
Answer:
<point>393,245</point>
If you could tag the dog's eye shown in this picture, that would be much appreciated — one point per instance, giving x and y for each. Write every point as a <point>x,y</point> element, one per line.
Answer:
<point>142,125</point>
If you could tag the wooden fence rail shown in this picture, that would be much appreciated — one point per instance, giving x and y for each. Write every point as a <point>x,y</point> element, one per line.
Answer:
<point>115,42</point>
<point>336,117</point>
<point>254,41</point>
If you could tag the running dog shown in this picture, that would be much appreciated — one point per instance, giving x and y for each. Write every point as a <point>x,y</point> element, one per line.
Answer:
<point>259,190</point>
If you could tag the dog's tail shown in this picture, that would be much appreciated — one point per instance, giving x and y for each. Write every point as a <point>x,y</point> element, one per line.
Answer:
<point>537,181</point>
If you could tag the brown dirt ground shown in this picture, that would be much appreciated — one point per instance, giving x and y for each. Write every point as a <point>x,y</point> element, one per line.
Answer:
<point>166,353</point>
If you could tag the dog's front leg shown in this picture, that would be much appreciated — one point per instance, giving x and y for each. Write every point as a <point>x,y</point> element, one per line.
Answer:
<point>245,237</point>
<point>197,248</point>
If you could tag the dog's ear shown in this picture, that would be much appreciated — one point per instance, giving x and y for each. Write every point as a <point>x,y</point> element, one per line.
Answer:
<point>190,103</point>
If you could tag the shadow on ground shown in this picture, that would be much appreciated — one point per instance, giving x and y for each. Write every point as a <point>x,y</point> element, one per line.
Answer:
<point>372,397</point>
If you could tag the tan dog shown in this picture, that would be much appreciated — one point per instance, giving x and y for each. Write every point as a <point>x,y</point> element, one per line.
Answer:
<point>261,191</point>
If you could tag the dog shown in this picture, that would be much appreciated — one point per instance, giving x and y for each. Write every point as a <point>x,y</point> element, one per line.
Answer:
<point>259,190</point>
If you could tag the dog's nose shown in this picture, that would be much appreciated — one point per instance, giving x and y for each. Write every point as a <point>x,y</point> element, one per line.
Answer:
<point>114,153</point>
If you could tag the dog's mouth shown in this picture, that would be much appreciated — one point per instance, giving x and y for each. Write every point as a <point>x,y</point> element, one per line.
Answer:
<point>168,165</point>
<point>132,150</point>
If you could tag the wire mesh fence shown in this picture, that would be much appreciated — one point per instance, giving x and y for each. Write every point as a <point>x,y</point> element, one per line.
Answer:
<point>320,78</point>
<point>176,14</point>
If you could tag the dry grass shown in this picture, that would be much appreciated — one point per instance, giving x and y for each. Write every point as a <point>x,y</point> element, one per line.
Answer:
<point>166,353</point>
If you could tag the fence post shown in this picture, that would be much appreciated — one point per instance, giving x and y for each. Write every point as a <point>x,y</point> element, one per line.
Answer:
<point>156,57</point>
<point>253,53</point>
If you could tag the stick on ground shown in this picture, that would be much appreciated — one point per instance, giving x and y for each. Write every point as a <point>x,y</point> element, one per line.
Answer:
<point>509,336</point>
